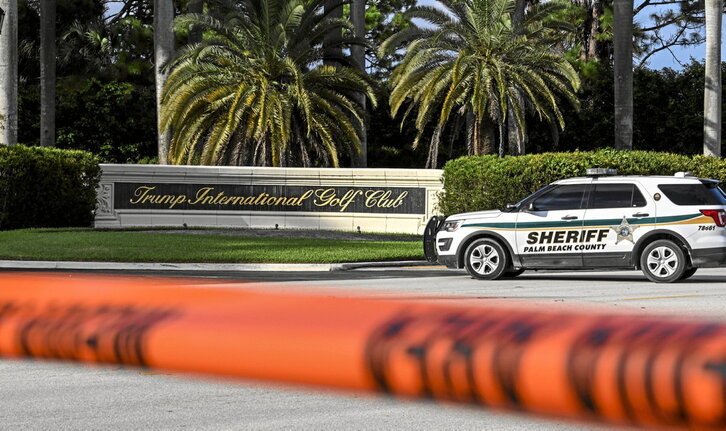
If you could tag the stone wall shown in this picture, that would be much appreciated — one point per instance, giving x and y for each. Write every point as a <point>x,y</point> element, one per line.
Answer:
<point>372,200</point>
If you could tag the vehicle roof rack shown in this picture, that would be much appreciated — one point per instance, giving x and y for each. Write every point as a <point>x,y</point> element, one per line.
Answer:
<point>600,172</point>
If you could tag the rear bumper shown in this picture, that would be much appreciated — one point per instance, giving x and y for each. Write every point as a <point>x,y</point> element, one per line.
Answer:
<point>708,257</point>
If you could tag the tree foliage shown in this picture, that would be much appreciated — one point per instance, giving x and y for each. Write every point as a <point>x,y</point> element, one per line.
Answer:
<point>109,119</point>
<point>255,89</point>
<point>667,107</point>
<point>468,61</point>
<point>105,83</point>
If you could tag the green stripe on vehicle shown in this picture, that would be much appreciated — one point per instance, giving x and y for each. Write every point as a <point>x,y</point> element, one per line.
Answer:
<point>588,223</point>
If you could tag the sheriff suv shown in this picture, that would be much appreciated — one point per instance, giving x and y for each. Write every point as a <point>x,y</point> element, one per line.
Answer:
<point>665,226</point>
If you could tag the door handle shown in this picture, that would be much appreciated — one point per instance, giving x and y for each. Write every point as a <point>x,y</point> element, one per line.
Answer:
<point>641,215</point>
<point>569,218</point>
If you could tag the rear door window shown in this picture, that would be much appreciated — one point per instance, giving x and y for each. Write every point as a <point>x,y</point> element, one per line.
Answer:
<point>616,196</point>
<point>693,194</point>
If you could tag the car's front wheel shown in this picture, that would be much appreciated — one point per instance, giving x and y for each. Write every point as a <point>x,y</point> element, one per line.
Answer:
<point>485,259</point>
<point>663,261</point>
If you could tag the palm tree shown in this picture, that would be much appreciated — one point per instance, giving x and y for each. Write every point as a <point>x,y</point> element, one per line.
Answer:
<point>358,54</point>
<point>9,74</point>
<point>47,73</point>
<point>467,60</point>
<point>712,94</point>
<point>109,50</point>
<point>623,68</point>
<point>163,52</point>
<point>255,90</point>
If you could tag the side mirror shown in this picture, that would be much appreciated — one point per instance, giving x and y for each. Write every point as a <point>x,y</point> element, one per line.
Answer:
<point>511,207</point>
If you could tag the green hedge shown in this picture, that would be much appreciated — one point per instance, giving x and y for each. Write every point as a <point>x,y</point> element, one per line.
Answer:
<point>47,187</point>
<point>476,183</point>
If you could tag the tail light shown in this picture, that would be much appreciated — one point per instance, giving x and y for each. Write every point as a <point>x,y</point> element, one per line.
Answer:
<point>718,216</point>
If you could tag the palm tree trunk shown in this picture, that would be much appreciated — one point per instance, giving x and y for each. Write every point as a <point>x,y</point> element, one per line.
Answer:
<point>712,93</point>
<point>487,135</point>
<point>433,156</point>
<point>9,73</point>
<point>518,16</point>
<point>334,10</point>
<point>514,132</point>
<point>195,34</point>
<point>358,55</point>
<point>480,139</point>
<point>623,58</point>
<point>594,29</point>
<point>590,28</point>
<point>163,51</point>
<point>47,72</point>
<point>469,125</point>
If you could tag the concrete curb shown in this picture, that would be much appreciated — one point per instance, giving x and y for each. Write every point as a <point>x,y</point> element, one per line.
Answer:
<point>392,264</point>
<point>201,267</point>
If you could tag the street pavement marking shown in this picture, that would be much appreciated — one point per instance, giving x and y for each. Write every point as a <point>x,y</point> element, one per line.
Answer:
<point>691,295</point>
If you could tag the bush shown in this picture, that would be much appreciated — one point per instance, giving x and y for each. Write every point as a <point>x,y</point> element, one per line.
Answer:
<point>476,183</point>
<point>47,187</point>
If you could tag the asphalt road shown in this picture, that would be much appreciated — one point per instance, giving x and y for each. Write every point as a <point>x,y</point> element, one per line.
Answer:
<point>37,395</point>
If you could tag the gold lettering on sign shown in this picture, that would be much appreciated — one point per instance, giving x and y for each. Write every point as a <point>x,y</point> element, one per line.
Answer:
<point>322,197</point>
<point>300,200</point>
<point>328,198</point>
<point>202,197</point>
<point>143,195</point>
<point>382,199</point>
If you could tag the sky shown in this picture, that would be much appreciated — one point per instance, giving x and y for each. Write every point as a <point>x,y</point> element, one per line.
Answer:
<point>665,59</point>
<point>683,54</point>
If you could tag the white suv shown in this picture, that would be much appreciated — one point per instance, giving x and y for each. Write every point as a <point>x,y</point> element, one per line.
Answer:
<point>665,226</point>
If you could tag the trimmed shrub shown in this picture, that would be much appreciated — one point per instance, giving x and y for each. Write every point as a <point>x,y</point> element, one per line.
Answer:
<point>477,183</point>
<point>47,187</point>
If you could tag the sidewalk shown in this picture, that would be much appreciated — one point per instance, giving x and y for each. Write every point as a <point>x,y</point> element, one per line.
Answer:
<point>202,267</point>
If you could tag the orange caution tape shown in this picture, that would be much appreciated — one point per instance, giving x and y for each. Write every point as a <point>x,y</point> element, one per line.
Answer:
<point>621,369</point>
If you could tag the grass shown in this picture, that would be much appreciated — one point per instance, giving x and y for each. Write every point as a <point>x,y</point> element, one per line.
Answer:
<point>125,246</point>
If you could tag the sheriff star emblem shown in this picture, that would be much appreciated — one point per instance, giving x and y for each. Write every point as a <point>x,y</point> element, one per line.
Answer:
<point>624,231</point>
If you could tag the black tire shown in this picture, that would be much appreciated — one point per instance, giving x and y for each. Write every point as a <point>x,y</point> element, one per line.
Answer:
<point>485,259</point>
<point>513,273</point>
<point>663,261</point>
<point>688,273</point>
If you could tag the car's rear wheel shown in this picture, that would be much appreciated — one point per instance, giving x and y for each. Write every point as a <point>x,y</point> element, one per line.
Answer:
<point>663,261</point>
<point>485,259</point>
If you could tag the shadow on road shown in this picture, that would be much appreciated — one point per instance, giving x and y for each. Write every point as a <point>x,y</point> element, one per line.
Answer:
<point>393,273</point>
<point>256,276</point>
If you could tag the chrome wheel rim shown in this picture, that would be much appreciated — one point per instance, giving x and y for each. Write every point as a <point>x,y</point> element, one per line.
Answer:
<point>484,259</point>
<point>662,262</point>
